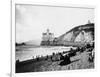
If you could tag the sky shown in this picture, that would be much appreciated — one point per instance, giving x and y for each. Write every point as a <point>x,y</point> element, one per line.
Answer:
<point>33,20</point>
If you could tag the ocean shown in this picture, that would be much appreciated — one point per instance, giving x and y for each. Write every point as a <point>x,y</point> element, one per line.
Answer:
<point>26,53</point>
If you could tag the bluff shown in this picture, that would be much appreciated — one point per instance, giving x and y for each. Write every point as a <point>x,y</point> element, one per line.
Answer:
<point>78,35</point>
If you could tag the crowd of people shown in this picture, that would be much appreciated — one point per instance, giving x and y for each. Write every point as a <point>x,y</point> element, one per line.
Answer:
<point>66,55</point>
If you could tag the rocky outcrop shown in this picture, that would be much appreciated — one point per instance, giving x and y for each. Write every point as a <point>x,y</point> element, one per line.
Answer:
<point>79,34</point>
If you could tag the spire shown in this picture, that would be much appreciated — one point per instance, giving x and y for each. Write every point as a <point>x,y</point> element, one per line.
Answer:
<point>89,22</point>
<point>47,30</point>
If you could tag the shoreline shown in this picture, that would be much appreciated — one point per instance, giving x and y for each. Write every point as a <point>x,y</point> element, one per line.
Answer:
<point>78,59</point>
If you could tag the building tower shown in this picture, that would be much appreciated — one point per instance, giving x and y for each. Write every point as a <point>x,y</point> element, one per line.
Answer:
<point>47,38</point>
<point>89,22</point>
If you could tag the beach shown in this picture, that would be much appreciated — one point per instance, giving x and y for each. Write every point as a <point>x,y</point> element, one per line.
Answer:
<point>55,59</point>
<point>28,52</point>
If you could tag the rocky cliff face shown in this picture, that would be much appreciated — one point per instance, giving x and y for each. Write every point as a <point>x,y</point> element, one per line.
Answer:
<point>81,34</point>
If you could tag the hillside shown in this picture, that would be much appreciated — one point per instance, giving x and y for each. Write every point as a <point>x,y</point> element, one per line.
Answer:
<point>79,34</point>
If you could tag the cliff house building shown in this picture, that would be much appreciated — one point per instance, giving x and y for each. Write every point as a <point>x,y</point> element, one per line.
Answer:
<point>47,38</point>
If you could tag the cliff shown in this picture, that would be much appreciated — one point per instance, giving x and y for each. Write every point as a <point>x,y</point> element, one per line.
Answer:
<point>80,34</point>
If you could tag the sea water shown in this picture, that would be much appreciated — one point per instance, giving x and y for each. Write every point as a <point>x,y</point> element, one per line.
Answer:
<point>27,53</point>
